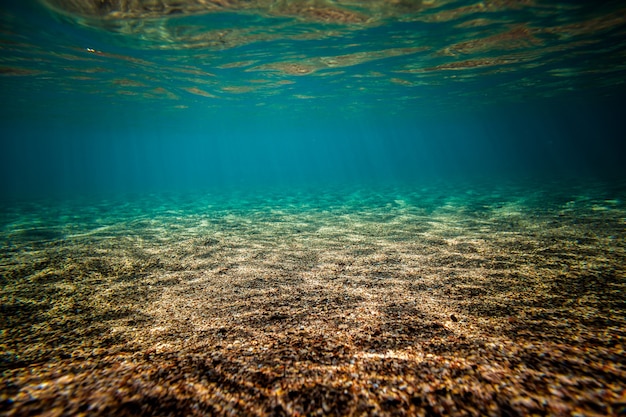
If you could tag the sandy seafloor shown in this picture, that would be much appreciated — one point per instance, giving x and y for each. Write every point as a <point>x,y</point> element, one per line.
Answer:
<point>414,300</point>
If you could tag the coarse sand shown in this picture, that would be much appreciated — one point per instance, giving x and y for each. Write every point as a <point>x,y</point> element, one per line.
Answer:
<point>375,305</point>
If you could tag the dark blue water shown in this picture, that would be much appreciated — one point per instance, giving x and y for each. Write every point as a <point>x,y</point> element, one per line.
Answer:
<point>263,96</point>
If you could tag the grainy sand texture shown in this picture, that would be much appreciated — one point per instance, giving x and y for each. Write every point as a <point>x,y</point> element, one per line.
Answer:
<point>433,300</point>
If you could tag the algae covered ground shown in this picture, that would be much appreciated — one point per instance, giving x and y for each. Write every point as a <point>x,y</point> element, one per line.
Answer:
<point>431,299</point>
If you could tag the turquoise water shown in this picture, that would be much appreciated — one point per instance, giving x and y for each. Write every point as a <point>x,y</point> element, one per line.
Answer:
<point>188,97</point>
<point>312,207</point>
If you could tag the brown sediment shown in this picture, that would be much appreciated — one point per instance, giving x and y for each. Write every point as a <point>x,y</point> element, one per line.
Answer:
<point>328,11</point>
<point>144,19</point>
<point>307,66</point>
<point>472,63</point>
<point>199,92</point>
<point>317,11</point>
<point>237,64</point>
<point>479,22</point>
<point>125,82</point>
<point>446,15</point>
<point>471,307</point>
<point>289,68</point>
<point>89,70</point>
<point>238,89</point>
<point>323,11</point>
<point>83,78</point>
<point>132,9</point>
<point>193,71</point>
<point>401,81</point>
<point>361,57</point>
<point>519,37</point>
<point>162,92</point>
<point>207,82</point>
<point>18,71</point>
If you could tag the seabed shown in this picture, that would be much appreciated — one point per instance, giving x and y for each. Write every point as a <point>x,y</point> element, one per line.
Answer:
<point>396,301</point>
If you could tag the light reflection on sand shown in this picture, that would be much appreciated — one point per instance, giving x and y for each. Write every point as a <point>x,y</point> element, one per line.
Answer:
<point>433,297</point>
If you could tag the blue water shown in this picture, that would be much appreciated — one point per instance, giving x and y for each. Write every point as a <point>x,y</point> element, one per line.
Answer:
<point>259,97</point>
<point>270,207</point>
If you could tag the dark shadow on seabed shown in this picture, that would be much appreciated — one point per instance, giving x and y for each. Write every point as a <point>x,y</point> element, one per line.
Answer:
<point>430,301</point>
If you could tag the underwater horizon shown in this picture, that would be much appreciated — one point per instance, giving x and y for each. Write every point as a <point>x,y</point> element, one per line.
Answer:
<point>312,207</point>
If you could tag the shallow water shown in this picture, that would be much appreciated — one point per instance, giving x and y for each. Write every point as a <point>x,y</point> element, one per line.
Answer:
<point>288,208</point>
<point>246,302</point>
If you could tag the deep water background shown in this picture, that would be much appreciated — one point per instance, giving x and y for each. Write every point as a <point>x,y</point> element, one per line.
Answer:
<point>137,153</point>
<point>56,142</point>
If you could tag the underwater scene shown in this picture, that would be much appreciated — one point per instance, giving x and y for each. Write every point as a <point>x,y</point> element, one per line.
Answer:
<point>312,207</point>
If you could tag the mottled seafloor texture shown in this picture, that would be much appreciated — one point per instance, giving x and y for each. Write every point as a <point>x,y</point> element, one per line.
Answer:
<point>424,300</point>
